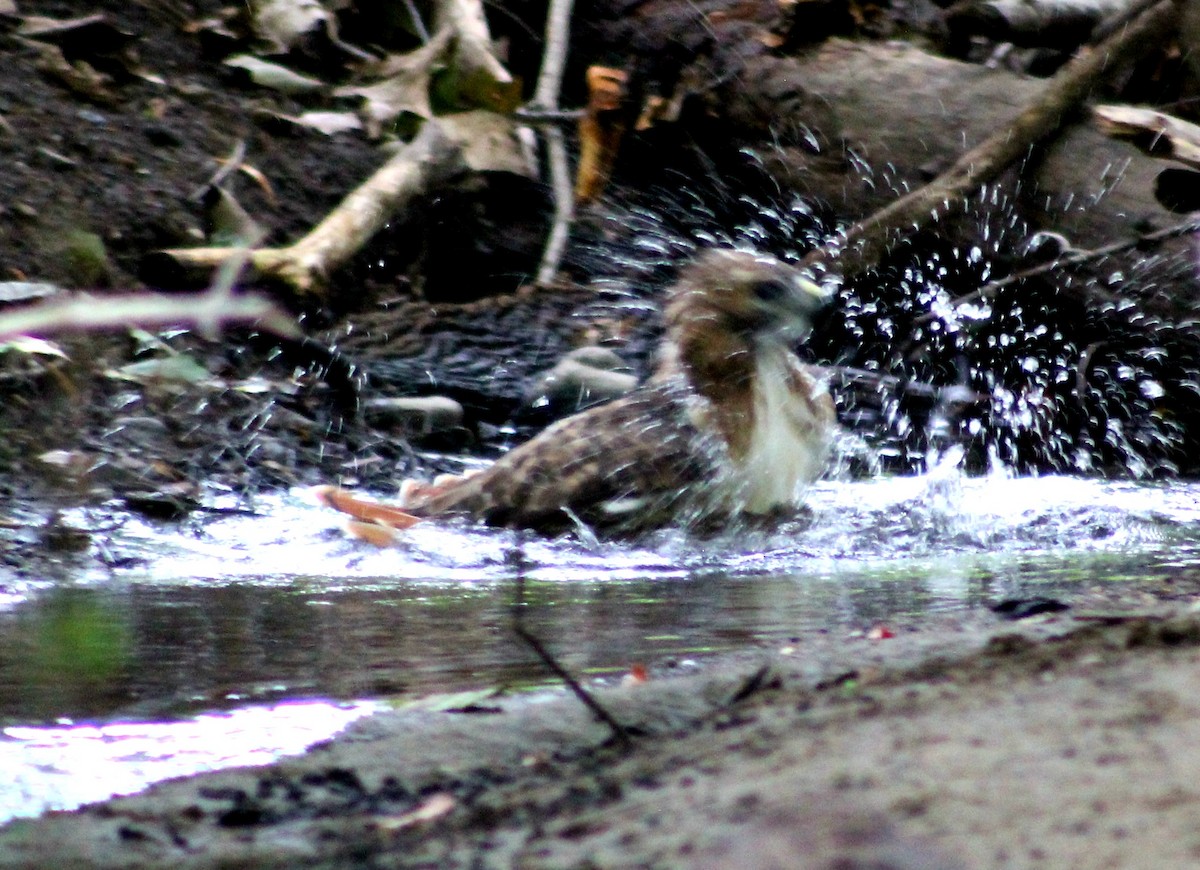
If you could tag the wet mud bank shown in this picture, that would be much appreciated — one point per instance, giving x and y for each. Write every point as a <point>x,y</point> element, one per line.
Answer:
<point>1054,742</point>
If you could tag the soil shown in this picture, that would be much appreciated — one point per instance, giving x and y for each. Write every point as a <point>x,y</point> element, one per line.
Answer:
<point>1063,743</point>
<point>1058,744</point>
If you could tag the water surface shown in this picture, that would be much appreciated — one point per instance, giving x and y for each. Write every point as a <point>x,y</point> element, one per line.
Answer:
<point>235,638</point>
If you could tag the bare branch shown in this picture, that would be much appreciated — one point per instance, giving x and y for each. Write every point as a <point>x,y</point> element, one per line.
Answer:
<point>207,311</point>
<point>554,59</point>
<point>305,265</point>
<point>863,244</point>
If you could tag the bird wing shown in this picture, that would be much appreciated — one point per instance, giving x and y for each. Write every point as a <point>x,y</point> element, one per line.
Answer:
<point>631,462</point>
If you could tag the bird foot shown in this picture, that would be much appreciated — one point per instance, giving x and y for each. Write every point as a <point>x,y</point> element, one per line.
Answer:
<point>366,512</point>
<point>375,534</point>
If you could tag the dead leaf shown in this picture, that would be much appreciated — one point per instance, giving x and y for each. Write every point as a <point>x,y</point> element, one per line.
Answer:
<point>434,807</point>
<point>488,140</point>
<point>76,460</point>
<point>259,178</point>
<point>473,83</point>
<point>481,78</point>
<point>283,23</point>
<point>228,222</point>
<point>600,131</point>
<point>329,123</point>
<point>606,88</point>
<point>27,344</point>
<point>90,35</point>
<point>79,77</point>
<point>179,368</point>
<point>405,86</point>
<point>275,76</point>
<point>23,291</point>
<point>219,34</point>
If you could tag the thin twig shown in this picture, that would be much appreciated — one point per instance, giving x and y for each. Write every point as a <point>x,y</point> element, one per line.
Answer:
<point>554,58</point>
<point>532,114</point>
<point>564,206</point>
<point>429,160</point>
<point>864,243</point>
<point>1077,257</point>
<point>206,311</point>
<point>225,168</point>
<point>414,16</point>
<point>516,557</point>
<point>545,97</point>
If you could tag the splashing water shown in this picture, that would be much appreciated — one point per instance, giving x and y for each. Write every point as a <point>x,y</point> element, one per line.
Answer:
<point>1068,371</point>
<point>281,603</point>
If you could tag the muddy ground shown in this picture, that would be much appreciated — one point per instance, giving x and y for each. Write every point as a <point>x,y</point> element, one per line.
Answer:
<point>1062,744</point>
<point>1065,743</point>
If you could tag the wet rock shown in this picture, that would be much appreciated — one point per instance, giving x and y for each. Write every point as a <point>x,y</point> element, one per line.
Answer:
<point>413,415</point>
<point>584,376</point>
<point>161,505</point>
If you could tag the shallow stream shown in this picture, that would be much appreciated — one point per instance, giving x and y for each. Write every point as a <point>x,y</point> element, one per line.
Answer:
<point>238,637</point>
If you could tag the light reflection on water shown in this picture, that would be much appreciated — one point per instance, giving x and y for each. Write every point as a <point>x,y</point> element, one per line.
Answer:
<point>64,766</point>
<point>238,611</point>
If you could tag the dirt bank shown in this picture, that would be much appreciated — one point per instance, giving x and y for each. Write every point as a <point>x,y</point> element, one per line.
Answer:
<point>1068,743</point>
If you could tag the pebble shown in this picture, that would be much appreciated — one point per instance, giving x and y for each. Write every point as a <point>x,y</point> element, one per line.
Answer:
<point>583,376</point>
<point>413,415</point>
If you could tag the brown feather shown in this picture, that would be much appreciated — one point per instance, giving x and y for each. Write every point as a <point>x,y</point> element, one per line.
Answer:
<point>730,422</point>
<point>642,452</point>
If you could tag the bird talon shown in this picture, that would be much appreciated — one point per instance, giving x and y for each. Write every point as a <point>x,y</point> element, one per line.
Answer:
<point>362,509</point>
<point>376,534</point>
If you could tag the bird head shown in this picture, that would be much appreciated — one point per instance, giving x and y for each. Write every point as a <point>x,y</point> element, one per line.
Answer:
<point>746,293</point>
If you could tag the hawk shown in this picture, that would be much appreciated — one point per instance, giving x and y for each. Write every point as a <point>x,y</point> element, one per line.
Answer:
<point>730,424</point>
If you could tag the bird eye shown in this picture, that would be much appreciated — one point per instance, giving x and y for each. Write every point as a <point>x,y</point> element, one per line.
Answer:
<point>771,290</point>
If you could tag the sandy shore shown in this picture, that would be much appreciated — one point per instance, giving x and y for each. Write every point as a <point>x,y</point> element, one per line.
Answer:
<point>1064,742</point>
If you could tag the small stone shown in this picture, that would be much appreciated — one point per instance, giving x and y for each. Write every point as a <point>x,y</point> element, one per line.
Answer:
<point>414,415</point>
<point>582,377</point>
<point>597,358</point>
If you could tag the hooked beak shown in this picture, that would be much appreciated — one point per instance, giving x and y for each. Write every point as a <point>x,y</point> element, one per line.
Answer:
<point>806,299</point>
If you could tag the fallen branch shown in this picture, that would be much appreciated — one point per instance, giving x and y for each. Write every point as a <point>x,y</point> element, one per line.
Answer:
<point>1155,133</point>
<point>428,161</point>
<point>207,312</point>
<point>1061,24</point>
<point>863,244</point>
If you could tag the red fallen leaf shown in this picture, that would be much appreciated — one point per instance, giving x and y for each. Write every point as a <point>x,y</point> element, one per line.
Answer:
<point>880,632</point>
<point>636,676</point>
